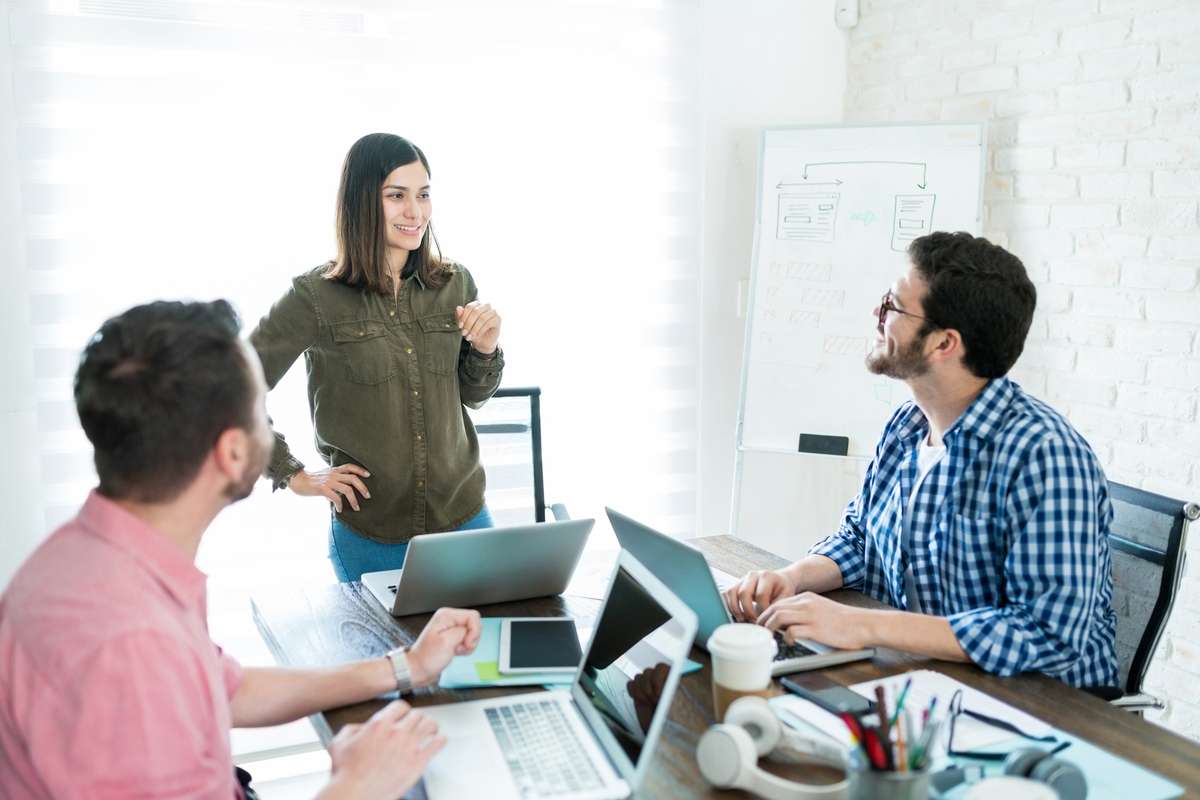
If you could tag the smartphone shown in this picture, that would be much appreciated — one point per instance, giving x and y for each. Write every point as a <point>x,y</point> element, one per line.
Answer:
<point>833,698</point>
<point>539,644</point>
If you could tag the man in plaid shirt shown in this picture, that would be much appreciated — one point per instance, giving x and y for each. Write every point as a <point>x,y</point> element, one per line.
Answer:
<point>984,516</point>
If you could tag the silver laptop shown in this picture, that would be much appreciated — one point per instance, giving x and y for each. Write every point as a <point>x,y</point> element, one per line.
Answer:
<point>591,741</point>
<point>472,568</point>
<point>686,572</point>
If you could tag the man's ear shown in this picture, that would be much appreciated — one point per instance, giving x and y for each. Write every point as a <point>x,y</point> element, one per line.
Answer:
<point>947,344</point>
<point>231,453</point>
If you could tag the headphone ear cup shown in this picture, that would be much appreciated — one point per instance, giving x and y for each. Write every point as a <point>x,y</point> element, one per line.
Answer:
<point>1062,776</point>
<point>754,716</point>
<point>1021,762</point>
<point>725,755</point>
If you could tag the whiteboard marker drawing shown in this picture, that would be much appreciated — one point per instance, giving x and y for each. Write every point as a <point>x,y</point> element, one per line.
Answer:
<point>807,217</point>
<point>913,218</point>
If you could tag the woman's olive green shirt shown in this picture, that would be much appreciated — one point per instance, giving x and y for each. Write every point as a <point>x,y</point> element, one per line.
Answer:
<point>388,379</point>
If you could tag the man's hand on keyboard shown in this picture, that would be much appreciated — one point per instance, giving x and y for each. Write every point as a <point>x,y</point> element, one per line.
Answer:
<point>750,596</point>
<point>811,616</point>
<point>450,632</point>
<point>384,756</point>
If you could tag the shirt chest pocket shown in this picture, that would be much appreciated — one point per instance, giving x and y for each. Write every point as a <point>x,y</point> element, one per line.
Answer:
<point>973,554</point>
<point>443,341</point>
<point>366,349</point>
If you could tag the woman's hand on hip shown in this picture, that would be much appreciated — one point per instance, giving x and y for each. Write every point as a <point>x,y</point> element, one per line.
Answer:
<point>335,484</point>
<point>480,325</point>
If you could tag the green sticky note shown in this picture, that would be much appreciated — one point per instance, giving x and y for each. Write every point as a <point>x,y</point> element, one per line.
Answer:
<point>488,670</point>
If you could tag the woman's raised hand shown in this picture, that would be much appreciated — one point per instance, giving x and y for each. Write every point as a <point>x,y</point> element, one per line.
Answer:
<point>480,325</point>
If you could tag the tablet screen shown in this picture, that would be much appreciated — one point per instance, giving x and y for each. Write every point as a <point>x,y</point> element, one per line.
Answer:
<point>543,644</point>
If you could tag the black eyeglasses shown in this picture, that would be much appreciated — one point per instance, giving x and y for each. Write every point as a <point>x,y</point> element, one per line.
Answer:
<point>956,709</point>
<point>886,305</point>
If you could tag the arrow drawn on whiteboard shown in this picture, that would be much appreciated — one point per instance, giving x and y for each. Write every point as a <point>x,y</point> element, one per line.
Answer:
<point>806,182</point>
<point>921,164</point>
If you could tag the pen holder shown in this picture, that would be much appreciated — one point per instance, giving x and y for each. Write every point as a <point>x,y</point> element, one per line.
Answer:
<point>870,784</point>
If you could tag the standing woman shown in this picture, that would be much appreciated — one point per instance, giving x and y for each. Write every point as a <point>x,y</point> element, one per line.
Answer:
<point>395,343</point>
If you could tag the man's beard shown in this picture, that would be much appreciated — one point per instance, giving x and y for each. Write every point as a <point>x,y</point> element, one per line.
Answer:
<point>258,460</point>
<point>907,362</point>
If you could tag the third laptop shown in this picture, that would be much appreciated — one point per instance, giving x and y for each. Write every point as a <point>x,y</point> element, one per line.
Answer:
<point>685,572</point>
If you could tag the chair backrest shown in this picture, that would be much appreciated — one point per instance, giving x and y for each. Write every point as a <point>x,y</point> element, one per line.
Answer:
<point>1148,544</point>
<point>510,447</point>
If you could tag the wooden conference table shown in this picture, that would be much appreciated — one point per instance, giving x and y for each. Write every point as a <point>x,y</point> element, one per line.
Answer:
<point>338,623</point>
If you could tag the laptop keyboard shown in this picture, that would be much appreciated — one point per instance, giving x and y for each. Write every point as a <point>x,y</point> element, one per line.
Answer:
<point>789,651</point>
<point>542,749</point>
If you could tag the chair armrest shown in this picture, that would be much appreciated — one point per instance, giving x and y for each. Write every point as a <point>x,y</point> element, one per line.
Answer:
<point>560,512</point>
<point>1139,702</point>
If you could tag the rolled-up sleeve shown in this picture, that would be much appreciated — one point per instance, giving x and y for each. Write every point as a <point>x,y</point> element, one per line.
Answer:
<point>1054,572</point>
<point>280,337</point>
<point>478,375</point>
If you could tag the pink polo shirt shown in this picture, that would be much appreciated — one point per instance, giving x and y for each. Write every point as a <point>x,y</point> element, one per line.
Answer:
<point>109,684</point>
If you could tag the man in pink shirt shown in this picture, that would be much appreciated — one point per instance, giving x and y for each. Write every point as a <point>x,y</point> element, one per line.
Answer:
<point>109,684</point>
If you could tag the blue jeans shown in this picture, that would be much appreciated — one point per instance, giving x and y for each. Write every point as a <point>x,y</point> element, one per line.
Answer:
<point>352,555</point>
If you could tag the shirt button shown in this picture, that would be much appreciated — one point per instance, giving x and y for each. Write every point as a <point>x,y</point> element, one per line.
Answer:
<point>408,350</point>
<point>418,437</point>
<point>391,313</point>
<point>420,484</point>
<point>362,333</point>
<point>448,325</point>
<point>415,393</point>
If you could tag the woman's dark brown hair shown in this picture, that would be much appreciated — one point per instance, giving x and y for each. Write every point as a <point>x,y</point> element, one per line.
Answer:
<point>362,239</point>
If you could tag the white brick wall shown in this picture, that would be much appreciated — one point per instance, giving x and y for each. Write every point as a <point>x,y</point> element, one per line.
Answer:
<point>1094,124</point>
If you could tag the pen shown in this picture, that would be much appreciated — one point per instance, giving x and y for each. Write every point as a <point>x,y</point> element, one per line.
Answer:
<point>901,760</point>
<point>856,732</point>
<point>921,751</point>
<point>900,701</point>
<point>853,724</point>
<point>875,750</point>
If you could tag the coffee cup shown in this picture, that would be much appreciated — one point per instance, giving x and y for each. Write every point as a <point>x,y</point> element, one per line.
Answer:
<point>741,663</point>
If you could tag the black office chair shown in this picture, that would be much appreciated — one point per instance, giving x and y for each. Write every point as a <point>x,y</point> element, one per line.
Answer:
<point>510,446</point>
<point>1148,542</point>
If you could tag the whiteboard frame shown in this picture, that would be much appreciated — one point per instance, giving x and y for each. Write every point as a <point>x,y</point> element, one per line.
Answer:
<point>739,447</point>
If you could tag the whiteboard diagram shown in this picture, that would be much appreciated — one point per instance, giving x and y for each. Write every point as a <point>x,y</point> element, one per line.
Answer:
<point>812,217</point>
<point>914,218</point>
<point>807,217</point>
<point>838,207</point>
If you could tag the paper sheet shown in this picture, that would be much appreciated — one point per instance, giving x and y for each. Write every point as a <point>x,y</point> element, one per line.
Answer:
<point>808,718</point>
<point>969,733</point>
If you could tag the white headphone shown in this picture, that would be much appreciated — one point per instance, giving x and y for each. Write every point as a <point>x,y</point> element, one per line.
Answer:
<point>728,754</point>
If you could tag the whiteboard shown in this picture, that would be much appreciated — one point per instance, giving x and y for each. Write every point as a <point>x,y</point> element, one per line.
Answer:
<point>837,209</point>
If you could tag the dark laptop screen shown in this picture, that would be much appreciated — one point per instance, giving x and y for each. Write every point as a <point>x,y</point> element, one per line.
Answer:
<point>627,663</point>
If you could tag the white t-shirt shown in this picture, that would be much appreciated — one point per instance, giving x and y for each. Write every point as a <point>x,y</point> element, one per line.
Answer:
<point>927,458</point>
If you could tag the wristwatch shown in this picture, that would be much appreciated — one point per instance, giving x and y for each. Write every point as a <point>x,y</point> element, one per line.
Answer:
<point>399,661</point>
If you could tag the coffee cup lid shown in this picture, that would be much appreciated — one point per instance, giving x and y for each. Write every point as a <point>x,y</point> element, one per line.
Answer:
<point>736,638</point>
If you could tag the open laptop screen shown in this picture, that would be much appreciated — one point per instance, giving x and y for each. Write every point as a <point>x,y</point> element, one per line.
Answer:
<point>628,662</point>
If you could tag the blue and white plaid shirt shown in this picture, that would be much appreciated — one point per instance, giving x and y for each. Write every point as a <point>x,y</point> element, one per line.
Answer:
<point>1010,537</point>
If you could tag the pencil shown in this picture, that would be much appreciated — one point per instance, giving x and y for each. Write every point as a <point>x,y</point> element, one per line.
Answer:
<point>881,709</point>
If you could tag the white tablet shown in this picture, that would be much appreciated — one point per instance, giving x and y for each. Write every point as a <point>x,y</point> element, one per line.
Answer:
<point>539,644</point>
